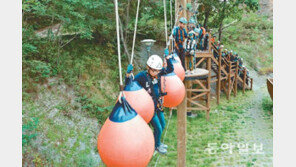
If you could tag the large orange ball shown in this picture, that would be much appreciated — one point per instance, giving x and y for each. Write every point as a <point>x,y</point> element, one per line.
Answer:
<point>139,100</point>
<point>179,70</point>
<point>125,140</point>
<point>174,88</point>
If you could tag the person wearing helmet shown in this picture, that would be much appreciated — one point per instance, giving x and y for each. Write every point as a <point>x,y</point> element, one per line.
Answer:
<point>213,40</point>
<point>190,50</point>
<point>180,34</point>
<point>150,80</point>
<point>191,25</point>
<point>205,45</point>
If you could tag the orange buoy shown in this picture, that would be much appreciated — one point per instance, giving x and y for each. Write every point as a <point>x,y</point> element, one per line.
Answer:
<point>174,88</point>
<point>178,68</point>
<point>140,100</point>
<point>125,139</point>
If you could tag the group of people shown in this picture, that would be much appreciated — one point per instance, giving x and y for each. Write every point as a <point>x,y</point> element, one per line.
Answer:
<point>229,56</point>
<point>189,39</point>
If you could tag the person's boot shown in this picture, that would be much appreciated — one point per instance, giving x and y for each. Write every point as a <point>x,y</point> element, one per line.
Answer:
<point>161,150</point>
<point>164,145</point>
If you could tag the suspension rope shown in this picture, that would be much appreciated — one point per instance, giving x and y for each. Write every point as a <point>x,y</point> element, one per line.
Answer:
<point>135,32</point>
<point>165,23</point>
<point>118,49</point>
<point>171,13</point>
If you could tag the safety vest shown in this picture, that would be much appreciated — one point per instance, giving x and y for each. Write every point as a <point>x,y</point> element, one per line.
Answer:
<point>180,35</point>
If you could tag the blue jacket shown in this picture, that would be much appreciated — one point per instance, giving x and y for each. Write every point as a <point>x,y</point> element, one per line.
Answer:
<point>151,85</point>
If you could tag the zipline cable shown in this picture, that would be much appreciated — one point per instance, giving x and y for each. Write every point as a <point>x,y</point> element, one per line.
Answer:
<point>135,32</point>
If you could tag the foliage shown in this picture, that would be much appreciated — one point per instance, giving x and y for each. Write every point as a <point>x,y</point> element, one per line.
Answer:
<point>29,130</point>
<point>267,105</point>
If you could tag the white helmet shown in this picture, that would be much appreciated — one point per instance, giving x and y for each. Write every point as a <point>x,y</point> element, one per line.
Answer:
<point>155,62</point>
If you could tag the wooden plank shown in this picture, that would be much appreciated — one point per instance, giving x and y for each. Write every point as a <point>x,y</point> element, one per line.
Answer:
<point>199,95</point>
<point>200,84</point>
<point>199,62</point>
<point>198,90</point>
<point>244,81</point>
<point>235,80</point>
<point>203,54</point>
<point>201,106</point>
<point>228,83</point>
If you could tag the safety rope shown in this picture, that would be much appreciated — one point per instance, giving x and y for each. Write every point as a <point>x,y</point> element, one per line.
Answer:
<point>165,23</point>
<point>135,32</point>
<point>171,13</point>
<point>118,50</point>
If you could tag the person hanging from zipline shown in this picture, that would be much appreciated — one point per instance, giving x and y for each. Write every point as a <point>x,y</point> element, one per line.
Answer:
<point>180,34</point>
<point>150,80</point>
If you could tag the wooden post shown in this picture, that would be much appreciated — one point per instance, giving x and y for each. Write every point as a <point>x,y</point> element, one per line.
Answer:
<point>182,121</point>
<point>183,3</point>
<point>244,80</point>
<point>209,59</point>
<point>235,81</point>
<point>229,80</point>
<point>218,88</point>
<point>189,93</point>
<point>251,83</point>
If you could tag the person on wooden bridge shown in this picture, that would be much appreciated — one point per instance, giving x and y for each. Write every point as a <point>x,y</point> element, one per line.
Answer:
<point>180,34</point>
<point>150,80</point>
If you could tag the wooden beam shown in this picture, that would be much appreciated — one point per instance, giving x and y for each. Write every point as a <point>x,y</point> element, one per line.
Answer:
<point>208,84</point>
<point>235,81</point>
<point>181,130</point>
<point>244,80</point>
<point>218,84</point>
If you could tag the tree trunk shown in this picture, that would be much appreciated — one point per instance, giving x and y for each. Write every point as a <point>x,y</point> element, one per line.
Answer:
<point>207,14</point>
<point>220,30</point>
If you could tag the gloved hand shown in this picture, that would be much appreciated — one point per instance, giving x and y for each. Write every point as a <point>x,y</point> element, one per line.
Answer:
<point>129,68</point>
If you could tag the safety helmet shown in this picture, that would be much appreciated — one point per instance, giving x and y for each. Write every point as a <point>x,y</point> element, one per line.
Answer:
<point>155,62</point>
<point>183,20</point>
<point>231,51</point>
